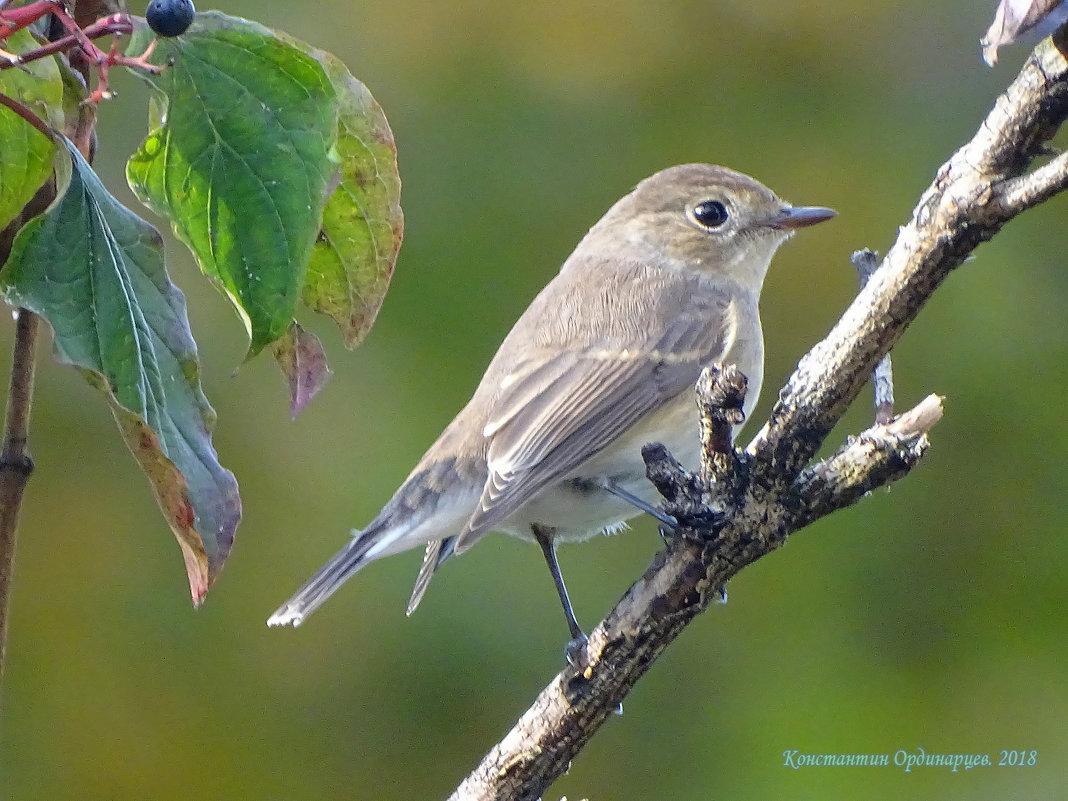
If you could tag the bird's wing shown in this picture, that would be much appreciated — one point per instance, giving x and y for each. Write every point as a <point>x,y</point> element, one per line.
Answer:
<point>554,413</point>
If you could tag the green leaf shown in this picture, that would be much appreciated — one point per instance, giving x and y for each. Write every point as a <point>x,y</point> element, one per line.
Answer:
<point>357,247</point>
<point>27,153</point>
<point>241,161</point>
<point>95,271</point>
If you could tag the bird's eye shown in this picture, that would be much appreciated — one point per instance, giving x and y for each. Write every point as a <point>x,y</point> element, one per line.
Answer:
<point>710,213</point>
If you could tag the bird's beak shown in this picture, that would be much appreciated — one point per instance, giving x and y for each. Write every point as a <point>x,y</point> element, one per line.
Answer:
<point>793,217</point>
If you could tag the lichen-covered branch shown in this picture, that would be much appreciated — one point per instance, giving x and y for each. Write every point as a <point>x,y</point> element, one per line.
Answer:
<point>743,505</point>
<point>974,193</point>
<point>872,459</point>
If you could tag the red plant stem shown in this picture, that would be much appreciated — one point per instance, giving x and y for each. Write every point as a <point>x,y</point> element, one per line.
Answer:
<point>116,24</point>
<point>27,115</point>
<point>18,18</point>
<point>99,28</point>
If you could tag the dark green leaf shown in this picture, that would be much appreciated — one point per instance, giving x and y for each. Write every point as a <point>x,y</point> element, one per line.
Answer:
<point>241,161</point>
<point>95,271</point>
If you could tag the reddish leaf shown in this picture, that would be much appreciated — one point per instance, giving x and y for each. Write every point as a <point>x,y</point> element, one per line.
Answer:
<point>301,357</point>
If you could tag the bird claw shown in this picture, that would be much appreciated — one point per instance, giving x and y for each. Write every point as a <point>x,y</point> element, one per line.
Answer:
<point>575,650</point>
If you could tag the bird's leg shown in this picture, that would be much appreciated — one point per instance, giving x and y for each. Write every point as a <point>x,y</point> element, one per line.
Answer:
<point>544,537</point>
<point>609,485</point>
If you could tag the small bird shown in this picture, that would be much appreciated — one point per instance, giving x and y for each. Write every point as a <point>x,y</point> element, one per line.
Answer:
<point>603,361</point>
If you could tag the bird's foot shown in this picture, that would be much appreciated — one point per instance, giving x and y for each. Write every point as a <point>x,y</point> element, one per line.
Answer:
<point>575,650</point>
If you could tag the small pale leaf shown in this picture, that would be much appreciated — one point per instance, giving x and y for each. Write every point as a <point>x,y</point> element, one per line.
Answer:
<point>95,271</point>
<point>301,357</point>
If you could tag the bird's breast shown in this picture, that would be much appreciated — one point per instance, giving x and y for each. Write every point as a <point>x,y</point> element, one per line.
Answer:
<point>578,508</point>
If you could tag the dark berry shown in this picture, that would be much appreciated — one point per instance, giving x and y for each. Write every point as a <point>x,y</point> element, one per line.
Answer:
<point>170,17</point>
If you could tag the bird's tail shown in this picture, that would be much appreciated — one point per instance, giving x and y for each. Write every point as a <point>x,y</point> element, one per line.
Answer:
<point>323,584</point>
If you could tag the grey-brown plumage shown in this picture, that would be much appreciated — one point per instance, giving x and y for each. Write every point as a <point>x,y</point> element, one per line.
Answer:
<point>603,361</point>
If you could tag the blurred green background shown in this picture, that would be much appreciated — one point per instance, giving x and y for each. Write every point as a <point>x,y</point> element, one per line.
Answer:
<point>932,615</point>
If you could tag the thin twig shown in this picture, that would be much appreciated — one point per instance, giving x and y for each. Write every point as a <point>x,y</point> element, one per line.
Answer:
<point>27,115</point>
<point>867,262</point>
<point>15,463</point>
<point>1035,187</point>
<point>868,461</point>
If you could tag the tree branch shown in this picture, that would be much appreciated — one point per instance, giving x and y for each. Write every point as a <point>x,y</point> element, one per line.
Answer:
<point>973,195</point>
<point>15,464</point>
<point>744,505</point>
<point>873,459</point>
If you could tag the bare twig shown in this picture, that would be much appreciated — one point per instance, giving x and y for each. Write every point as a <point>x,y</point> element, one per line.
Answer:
<point>873,459</point>
<point>15,464</point>
<point>979,189</point>
<point>866,263</point>
<point>1035,187</point>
